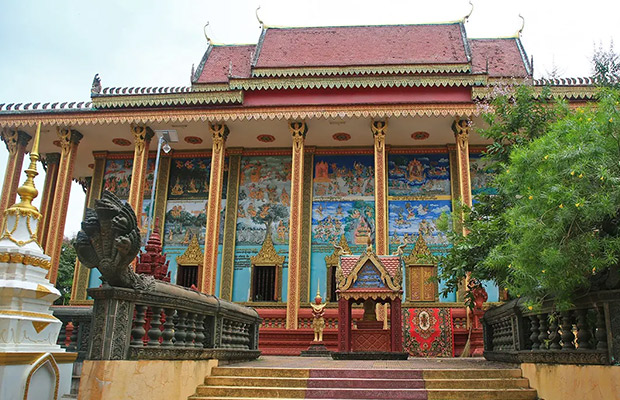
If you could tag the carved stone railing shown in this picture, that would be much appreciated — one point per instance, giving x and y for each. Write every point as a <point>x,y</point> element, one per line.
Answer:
<point>173,323</point>
<point>75,330</point>
<point>589,333</point>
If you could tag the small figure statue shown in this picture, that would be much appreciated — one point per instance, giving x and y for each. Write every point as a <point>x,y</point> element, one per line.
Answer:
<point>318,323</point>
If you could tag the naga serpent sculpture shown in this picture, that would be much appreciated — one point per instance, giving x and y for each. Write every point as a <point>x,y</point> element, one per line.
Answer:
<point>110,241</point>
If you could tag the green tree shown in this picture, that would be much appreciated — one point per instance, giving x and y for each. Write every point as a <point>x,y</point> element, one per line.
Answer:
<point>606,66</point>
<point>66,267</point>
<point>513,117</point>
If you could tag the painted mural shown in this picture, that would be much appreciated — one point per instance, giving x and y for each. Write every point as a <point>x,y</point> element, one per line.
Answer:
<point>421,175</point>
<point>184,219</point>
<point>189,178</point>
<point>481,175</point>
<point>264,200</point>
<point>343,177</point>
<point>353,219</point>
<point>343,204</point>
<point>117,177</point>
<point>408,218</point>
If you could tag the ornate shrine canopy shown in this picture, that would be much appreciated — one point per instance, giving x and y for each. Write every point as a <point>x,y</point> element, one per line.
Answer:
<point>369,276</point>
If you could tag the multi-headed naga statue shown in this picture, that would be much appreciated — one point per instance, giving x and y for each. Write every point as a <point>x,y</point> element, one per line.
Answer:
<point>110,241</point>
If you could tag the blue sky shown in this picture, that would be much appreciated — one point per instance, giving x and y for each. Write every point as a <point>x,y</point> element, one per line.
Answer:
<point>52,49</point>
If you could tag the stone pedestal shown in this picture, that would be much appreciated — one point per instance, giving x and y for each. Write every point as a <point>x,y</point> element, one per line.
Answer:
<point>316,349</point>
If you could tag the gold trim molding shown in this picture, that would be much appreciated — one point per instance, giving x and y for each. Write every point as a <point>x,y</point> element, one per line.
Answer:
<point>30,358</point>
<point>26,260</point>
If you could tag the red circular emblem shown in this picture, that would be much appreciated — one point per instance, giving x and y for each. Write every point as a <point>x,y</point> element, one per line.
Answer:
<point>121,142</point>
<point>91,166</point>
<point>57,143</point>
<point>193,139</point>
<point>266,138</point>
<point>341,136</point>
<point>420,135</point>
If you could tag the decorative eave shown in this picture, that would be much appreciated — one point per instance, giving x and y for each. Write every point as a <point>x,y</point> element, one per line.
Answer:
<point>359,294</point>
<point>362,70</point>
<point>585,92</point>
<point>267,255</point>
<point>337,82</point>
<point>186,98</point>
<point>148,116</point>
<point>420,254</point>
<point>193,254</point>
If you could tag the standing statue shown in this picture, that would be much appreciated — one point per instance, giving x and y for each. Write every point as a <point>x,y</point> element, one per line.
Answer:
<point>318,323</point>
<point>109,241</point>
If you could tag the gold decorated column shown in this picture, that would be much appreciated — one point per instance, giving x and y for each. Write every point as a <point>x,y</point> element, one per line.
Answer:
<point>216,183</point>
<point>15,142</point>
<point>142,138</point>
<point>379,129</point>
<point>298,130</point>
<point>47,200</point>
<point>69,141</point>
<point>461,127</point>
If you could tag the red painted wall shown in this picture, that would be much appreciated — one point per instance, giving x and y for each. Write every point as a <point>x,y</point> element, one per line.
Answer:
<point>357,96</point>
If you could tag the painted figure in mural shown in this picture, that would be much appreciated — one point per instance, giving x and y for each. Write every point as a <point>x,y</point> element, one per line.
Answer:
<point>318,322</point>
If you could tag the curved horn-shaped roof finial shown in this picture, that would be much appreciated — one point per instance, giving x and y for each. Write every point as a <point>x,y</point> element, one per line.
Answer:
<point>520,31</point>
<point>204,29</point>
<point>466,18</point>
<point>260,21</point>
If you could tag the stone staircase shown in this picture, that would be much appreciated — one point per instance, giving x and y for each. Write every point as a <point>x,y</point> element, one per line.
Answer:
<point>288,383</point>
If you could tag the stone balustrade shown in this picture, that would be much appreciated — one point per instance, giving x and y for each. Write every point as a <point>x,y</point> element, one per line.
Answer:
<point>75,330</point>
<point>588,333</point>
<point>170,323</point>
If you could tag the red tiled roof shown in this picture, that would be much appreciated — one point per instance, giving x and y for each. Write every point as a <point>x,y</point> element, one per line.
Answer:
<point>362,45</point>
<point>224,60</point>
<point>504,57</point>
<point>390,263</point>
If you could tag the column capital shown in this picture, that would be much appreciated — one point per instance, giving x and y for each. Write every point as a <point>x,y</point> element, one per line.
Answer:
<point>461,128</point>
<point>220,134</point>
<point>13,139</point>
<point>142,135</point>
<point>379,129</point>
<point>52,158</point>
<point>298,129</point>
<point>68,137</point>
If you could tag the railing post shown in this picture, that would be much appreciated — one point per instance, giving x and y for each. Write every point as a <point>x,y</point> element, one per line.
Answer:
<point>111,325</point>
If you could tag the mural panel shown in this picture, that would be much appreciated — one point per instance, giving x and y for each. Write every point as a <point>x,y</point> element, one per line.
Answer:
<point>408,218</point>
<point>264,203</point>
<point>189,178</point>
<point>343,205</point>
<point>264,200</point>
<point>481,175</point>
<point>117,177</point>
<point>426,175</point>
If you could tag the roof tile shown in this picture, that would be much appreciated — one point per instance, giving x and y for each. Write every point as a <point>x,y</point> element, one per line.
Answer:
<point>362,46</point>
<point>503,55</point>
<point>225,60</point>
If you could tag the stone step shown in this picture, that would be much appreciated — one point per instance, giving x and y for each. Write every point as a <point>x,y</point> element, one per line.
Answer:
<point>493,383</point>
<point>209,392</point>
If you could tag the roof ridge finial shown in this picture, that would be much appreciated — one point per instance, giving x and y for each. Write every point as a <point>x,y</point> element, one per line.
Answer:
<point>520,31</point>
<point>204,29</point>
<point>466,18</point>
<point>260,21</point>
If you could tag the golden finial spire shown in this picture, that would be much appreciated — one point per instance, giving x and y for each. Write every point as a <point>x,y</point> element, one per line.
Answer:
<point>28,192</point>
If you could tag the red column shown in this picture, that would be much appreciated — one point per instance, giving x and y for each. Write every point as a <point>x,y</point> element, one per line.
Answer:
<point>397,325</point>
<point>344,325</point>
<point>15,142</point>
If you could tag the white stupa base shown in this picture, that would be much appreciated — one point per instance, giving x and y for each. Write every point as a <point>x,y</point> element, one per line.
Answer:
<point>35,376</point>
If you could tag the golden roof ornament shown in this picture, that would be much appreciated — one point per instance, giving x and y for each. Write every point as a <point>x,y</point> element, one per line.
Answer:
<point>193,255</point>
<point>340,249</point>
<point>520,31</point>
<point>267,254</point>
<point>466,18</point>
<point>420,253</point>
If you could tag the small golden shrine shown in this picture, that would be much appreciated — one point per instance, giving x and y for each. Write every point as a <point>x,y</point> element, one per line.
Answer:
<point>369,279</point>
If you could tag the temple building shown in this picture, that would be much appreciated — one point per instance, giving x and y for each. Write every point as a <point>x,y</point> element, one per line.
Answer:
<point>284,155</point>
